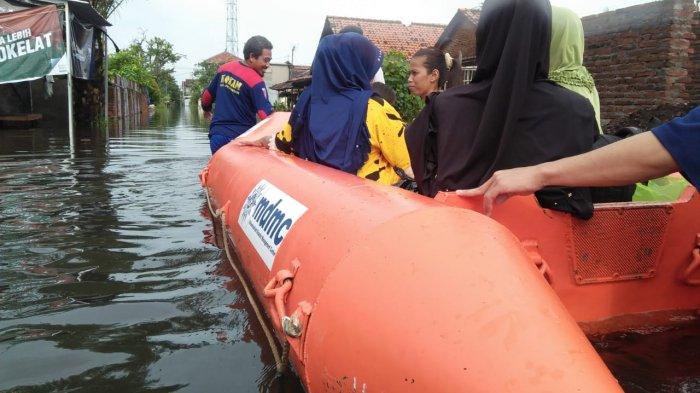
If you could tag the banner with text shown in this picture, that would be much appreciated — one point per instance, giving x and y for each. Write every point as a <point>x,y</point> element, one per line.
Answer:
<point>31,45</point>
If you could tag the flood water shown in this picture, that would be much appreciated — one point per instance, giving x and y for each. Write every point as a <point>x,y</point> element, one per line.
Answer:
<point>106,277</point>
<point>108,280</point>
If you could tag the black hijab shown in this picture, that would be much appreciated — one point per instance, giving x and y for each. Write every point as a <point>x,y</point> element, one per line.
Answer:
<point>509,116</point>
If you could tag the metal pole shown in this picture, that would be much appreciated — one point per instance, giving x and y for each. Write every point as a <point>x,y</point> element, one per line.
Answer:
<point>106,72</point>
<point>69,53</point>
<point>31,98</point>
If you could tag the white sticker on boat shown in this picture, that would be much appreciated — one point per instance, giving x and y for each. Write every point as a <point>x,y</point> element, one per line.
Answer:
<point>267,216</point>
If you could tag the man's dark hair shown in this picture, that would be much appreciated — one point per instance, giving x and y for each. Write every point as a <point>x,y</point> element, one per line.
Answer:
<point>352,29</point>
<point>384,91</point>
<point>255,45</point>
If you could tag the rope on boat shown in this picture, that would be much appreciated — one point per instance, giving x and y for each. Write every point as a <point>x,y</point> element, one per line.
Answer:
<point>280,359</point>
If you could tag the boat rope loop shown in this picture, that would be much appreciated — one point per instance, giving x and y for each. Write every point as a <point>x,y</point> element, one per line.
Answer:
<point>281,360</point>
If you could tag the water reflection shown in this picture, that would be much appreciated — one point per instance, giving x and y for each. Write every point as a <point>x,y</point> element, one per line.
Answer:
<point>105,278</point>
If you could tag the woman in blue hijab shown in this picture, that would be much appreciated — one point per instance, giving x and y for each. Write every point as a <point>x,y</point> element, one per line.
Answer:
<point>338,122</point>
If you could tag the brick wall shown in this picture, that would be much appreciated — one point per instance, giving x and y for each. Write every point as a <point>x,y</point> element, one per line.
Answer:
<point>126,98</point>
<point>462,46</point>
<point>463,41</point>
<point>694,89</point>
<point>641,56</point>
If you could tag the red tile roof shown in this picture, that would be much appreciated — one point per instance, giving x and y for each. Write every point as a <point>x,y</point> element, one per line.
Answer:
<point>222,58</point>
<point>390,35</point>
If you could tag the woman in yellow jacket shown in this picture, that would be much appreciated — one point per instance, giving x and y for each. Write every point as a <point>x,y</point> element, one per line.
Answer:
<point>340,123</point>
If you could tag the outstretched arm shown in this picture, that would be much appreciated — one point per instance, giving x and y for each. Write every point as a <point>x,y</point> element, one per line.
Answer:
<point>638,158</point>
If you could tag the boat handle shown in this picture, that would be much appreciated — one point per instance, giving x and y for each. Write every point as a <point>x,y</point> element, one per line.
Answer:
<point>693,266</point>
<point>543,267</point>
<point>278,288</point>
<point>532,249</point>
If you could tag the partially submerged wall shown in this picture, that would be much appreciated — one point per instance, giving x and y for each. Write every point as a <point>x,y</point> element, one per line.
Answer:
<point>126,98</point>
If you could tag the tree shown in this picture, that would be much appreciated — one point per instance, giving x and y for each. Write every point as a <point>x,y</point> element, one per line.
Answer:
<point>106,7</point>
<point>148,62</point>
<point>396,70</point>
<point>204,72</point>
<point>171,90</point>
<point>129,64</point>
<point>159,54</point>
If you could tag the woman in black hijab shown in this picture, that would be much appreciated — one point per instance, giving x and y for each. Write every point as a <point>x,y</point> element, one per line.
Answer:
<point>511,115</point>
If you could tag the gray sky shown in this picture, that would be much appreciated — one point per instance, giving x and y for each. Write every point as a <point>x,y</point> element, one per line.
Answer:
<point>197,28</point>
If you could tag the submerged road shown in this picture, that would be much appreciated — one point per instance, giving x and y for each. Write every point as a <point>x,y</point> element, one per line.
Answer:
<point>107,279</point>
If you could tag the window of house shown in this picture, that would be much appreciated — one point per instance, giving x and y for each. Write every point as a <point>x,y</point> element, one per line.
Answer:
<point>468,74</point>
<point>468,69</point>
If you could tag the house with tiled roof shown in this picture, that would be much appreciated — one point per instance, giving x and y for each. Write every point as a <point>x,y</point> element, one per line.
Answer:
<point>222,58</point>
<point>459,40</point>
<point>389,35</point>
<point>278,76</point>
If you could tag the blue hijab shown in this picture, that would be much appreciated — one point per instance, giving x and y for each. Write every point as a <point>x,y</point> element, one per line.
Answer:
<point>328,126</point>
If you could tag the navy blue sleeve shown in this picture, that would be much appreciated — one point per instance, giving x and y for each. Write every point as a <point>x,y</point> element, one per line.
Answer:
<point>681,137</point>
<point>262,103</point>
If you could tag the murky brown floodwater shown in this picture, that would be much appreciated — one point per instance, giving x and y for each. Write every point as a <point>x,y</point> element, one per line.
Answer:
<point>107,281</point>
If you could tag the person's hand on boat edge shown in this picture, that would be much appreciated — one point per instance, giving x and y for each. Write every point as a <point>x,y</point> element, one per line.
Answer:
<point>267,142</point>
<point>505,184</point>
<point>638,158</point>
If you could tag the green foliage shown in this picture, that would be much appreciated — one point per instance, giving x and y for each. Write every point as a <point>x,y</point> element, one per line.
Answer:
<point>396,70</point>
<point>106,7</point>
<point>158,55</point>
<point>147,61</point>
<point>203,74</point>
<point>129,64</point>
<point>171,90</point>
<point>281,106</point>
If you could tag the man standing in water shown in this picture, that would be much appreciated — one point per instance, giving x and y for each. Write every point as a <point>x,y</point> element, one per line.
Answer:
<point>240,93</point>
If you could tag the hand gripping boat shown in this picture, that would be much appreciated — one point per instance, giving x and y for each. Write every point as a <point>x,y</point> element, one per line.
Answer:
<point>373,289</point>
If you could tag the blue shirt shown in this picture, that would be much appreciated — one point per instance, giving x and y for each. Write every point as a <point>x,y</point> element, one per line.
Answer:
<point>240,94</point>
<point>681,137</point>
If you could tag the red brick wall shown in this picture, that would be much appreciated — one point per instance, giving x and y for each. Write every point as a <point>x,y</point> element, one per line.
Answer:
<point>641,56</point>
<point>694,89</point>
<point>126,98</point>
<point>463,42</point>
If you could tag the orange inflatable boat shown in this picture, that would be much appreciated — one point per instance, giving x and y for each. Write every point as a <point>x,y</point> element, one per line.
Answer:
<point>374,289</point>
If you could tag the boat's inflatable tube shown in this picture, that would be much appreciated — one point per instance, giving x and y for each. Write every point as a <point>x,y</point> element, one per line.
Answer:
<point>389,291</point>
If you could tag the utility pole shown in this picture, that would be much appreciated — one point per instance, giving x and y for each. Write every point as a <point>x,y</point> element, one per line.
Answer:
<point>69,83</point>
<point>232,27</point>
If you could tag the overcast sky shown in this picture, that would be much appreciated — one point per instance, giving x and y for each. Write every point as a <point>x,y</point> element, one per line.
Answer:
<point>197,28</point>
